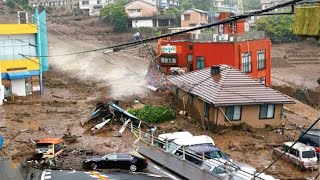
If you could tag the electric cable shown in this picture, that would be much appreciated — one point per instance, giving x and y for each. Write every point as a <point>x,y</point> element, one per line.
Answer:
<point>313,124</point>
<point>224,21</point>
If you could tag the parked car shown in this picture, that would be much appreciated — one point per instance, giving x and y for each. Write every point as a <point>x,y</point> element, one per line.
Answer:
<point>301,155</point>
<point>116,161</point>
<point>234,171</point>
<point>312,138</point>
<point>162,138</point>
<point>198,152</point>
<point>187,142</point>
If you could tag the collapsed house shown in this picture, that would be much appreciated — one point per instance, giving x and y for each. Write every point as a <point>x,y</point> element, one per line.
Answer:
<point>223,95</point>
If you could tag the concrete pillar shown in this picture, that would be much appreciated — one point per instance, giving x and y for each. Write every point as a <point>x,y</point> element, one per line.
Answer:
<point>169,22</point>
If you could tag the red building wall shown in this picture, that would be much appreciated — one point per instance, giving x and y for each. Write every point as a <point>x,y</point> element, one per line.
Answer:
<point>227,28</point>
<point>216,53</point>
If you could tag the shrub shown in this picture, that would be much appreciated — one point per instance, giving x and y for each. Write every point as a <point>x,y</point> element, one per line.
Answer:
<point>154,114</point>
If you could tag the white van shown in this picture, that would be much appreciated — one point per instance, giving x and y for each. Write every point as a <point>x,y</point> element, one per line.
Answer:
<point>168,137</point>
<point>194,140</point>
<point>301,155</point>
<point>176,135</point>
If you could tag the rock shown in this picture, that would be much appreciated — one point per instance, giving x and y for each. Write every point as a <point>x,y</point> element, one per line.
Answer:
<point>259,146</point>
<point>234,145</point>
<point>258,136</point>
<point>224,131</point>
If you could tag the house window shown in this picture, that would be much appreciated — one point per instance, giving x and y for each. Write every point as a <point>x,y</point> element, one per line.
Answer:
<point>267,111</point>
<point>200,62</point>
<point>168,60</point>
<point>189,58</point>
<point>261,57</point>
<point>206,109</point>
<point>233,113</point>
<point>246,62</point>
<point>191,98</point>
<point>262,80</point>
<point>98,2</point>
<point>85,2</point>
<point>186,17</point>
<point>190,46</point>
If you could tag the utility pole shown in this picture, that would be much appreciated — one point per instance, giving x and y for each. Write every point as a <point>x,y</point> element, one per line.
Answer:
<point>1,88</point>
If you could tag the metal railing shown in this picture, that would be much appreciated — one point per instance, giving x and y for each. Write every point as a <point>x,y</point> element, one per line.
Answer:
<point>212,37</point>
<point>187,154</point>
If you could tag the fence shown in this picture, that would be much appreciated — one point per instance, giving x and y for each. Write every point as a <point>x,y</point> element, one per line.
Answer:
<point>211,37</point>
<point>184,161</point>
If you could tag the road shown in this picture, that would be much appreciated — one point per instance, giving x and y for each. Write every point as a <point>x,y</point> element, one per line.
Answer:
<point>90,175</point>
<point>152,172</point>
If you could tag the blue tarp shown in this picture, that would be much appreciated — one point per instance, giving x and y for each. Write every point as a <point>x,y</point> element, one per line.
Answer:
<point>19,74</point>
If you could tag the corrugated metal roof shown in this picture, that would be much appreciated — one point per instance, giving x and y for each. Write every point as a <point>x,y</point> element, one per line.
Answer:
<point>232,88</point>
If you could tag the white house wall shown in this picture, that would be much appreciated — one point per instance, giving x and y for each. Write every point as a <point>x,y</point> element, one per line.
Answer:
<point>18,87</point>
<point>142,23</point>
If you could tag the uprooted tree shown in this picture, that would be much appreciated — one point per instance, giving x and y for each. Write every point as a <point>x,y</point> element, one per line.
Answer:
<point>114,14</point>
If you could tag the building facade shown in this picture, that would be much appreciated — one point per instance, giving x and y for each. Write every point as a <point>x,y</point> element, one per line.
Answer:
<point>224,96</point>
<point>145,14</point>
<point>23,51</point>
<point>92,7</point>
<point>68,4</point>
<point>231,45</point>
<point>193,18</point>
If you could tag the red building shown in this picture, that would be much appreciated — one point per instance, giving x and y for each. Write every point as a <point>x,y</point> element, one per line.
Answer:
<point>247,51</point>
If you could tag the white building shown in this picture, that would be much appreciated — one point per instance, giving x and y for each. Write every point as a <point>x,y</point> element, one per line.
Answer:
<point>92,7</point>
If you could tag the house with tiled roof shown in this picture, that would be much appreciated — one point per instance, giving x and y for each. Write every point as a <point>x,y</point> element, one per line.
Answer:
<point>223,95</point>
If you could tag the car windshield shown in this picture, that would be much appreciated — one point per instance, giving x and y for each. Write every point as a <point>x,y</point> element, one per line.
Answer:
<point>308,154</point>
<point>172,147</point>
<point>214,154</point>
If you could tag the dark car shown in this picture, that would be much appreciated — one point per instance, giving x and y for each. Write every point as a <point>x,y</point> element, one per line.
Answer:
<point>195,153</point>
<point>312,138</point>
<point>116,161</point>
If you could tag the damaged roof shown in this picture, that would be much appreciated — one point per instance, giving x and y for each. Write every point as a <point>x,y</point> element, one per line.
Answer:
<point>229,87</point>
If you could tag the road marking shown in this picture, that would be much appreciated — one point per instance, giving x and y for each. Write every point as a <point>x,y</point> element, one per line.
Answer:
<point>168,174</point>
<point>98,175</point>
<point>73,171</point>
<point>43,174</point>
<point>47,177</point>
<point>148,174</point>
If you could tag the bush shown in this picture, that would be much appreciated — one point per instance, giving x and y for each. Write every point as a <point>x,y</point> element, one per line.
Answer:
<point>154,114</point>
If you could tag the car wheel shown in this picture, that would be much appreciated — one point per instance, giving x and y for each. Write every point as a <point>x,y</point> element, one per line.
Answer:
<point>94,166</point>
<point>133,168</point>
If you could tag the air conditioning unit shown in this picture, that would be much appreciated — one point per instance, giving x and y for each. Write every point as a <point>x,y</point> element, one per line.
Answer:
<point>23,17</point>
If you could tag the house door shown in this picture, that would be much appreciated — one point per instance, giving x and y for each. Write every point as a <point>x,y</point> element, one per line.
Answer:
<point>18,87</point>
<point>190,67</point>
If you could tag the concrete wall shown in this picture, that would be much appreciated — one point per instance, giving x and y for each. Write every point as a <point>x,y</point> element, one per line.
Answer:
<point>195,18</point>
<point>146,10</point>
<point>249,113</point>
<point>142,23</point>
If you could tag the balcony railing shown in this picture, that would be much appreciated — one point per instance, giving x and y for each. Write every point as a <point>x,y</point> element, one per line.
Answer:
<point>211,37</point>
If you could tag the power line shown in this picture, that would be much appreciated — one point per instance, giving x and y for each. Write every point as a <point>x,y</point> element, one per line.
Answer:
<point>289,147</point>
<point>224,21</point>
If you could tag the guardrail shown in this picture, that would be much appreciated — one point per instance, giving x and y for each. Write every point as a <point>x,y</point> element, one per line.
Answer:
<point>213,37</point>
<point>185,156</point>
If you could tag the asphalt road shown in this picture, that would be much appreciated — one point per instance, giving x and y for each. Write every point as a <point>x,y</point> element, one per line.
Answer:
<point>152,172</point>
<point>91,175</point>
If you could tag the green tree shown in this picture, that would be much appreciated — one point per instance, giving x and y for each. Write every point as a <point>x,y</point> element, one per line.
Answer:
<point>185,5</point>
<point>175,11</point>
<point>115,15</point>
<point>277,28</point>
<point>22,3</point>
<point>251,4</point>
